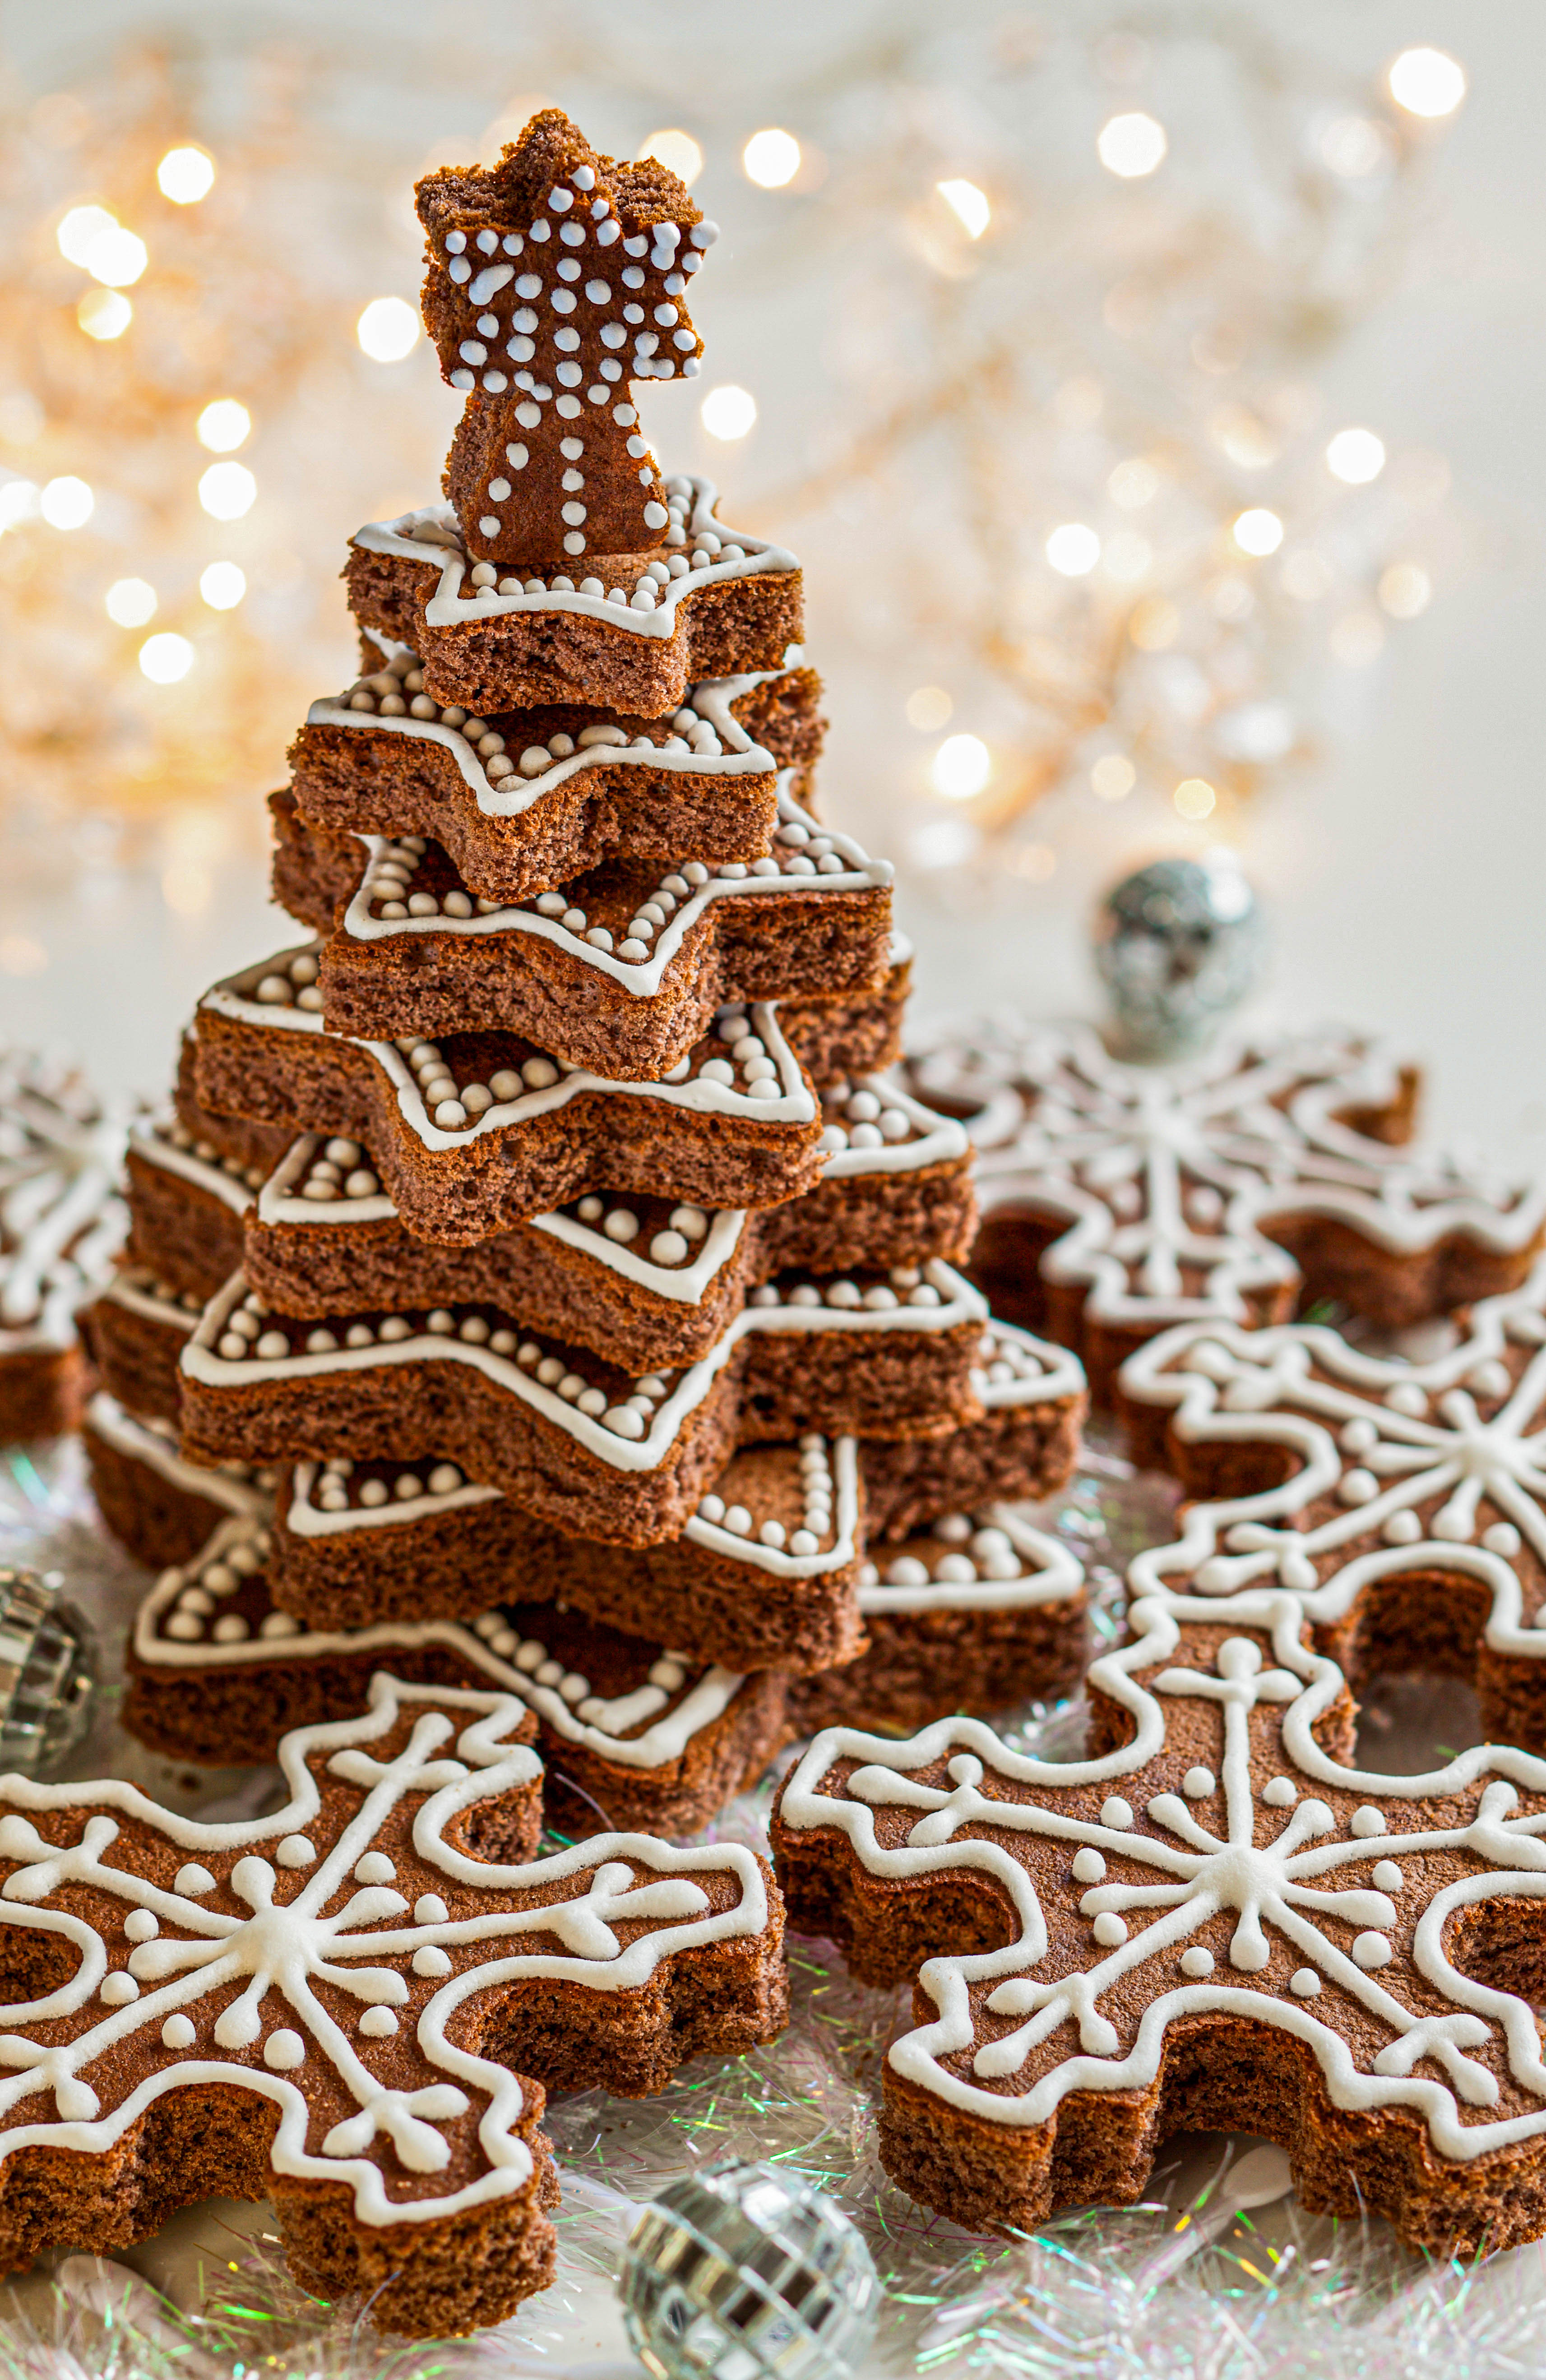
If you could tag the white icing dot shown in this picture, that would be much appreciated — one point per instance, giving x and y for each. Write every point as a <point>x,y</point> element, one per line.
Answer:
<point>178,2032</point>
<point>1306,1983</point>
<point>141,1926</point>
<point>1367,1821</point>
<point>1089,1866</point>
<point>1503,1537</point>
<point>1402,1529</point>
<point>1196,1961</point>
<point>1115,1813</point>
<point>1387,1877</point>
<point>1109,1929</point>
<point>1196,1783</point>
<point>283,2050</point>
<point>429,1909</point>
<point>378,2024</point>
<point>192,1880</point>
<point>431,1960</point>
<point>1372,1950</point>
<point>118,1989</point>
<point>1279,1791</point>
<point>296,1850</point>
<point>375,1868</point>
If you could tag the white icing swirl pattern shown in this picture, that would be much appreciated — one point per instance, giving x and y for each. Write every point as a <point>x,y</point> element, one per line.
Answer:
<point>1435,1466</point>
<point>1285,1872</point>
<point>251,1907</point>
<point>1171,1177</point>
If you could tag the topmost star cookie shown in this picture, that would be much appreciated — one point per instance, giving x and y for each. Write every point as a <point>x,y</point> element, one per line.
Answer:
<point>554,279</point>
<point>1120,1200</point>
<point>1221,1924</point>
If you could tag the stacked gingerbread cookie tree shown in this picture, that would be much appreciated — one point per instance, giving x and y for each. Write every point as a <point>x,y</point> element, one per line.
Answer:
<point>543,1231</point>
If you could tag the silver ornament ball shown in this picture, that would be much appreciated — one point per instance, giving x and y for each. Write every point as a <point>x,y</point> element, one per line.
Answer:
<point>1179,946</point>
<point>47,1672</point>
<point>745,2271</point>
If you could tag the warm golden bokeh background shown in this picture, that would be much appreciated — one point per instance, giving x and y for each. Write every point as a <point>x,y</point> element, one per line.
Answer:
<point>1044,335</point>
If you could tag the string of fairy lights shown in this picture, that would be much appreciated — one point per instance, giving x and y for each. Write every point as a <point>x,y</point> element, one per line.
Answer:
<point>1030,346</point>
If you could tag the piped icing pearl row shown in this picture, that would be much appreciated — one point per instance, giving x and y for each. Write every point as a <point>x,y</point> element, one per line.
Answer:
<point>1014,1368</point>
<point>138,1291</point>
<point>713,555</point>
<point>146,1437</point>
<point>442,1109</point>
<point>167,1142</point>
<point>990,1560</point>
<point>703,737</point>
<point>904,1285</point>
<point>187,1624</point>
<point>634,950</point>
<point>239,1342</point>
<point>326,1499</point>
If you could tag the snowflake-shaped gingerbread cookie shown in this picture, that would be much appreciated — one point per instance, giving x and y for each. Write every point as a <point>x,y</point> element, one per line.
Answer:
<point>62,1224</point>
<point>327,2007</point>
<point>1219,1925</point>
<point>1406,1502</point>
<point>1119,1200</point>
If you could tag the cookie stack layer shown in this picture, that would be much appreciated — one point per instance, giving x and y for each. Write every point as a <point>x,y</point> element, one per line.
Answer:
<point>540,1277</point>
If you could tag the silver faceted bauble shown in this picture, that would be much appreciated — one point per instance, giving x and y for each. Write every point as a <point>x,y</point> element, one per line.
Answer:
<point>745,2271</point>
<point>1179,946</point>
<point>47,1675</point>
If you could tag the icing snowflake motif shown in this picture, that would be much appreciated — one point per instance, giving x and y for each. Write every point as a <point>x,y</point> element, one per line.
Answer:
<point>1221,1864</point>
<point>554,280</point>
<point>1173,1179</point>
<point>286,1946</point>
<point>1429,1466</point>
<point>62,1221</point>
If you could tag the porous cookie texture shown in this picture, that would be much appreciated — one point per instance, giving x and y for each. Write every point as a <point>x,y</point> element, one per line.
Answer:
<point>564,1435</point>
<point>553,279</point>
<point>1119,1200</point>
<point>631,637</point>
<point>764,1572</point>
<point>1215,1922</point>
<point>639,1280</point>
<point>1404,1502</point>
<point>188,1205</point>
<point>622,971</point>
<point>976,1613</point>
<point>137,1330</point>
<point>478,1131</point>
<point>529,800</point>
<point>160,1507</point>
<point>1025,1442</point>
<point>335,2008</point>
<point>630,1734</point>
<point>61,1225</point>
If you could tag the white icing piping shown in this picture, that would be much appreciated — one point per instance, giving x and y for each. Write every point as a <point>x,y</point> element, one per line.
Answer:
<point>307,1519</point>
<point>1052,1574</point>
<point>147,1142</point>
<point>1271,1880</point>
<point>657,1747</point>
<point>640,978</point>
<point>514,796</point>
<point>130,1436</point>
<point>123,1291</point>
<point>959,1303</point>
<point>794,1104</point>
<point>450,607</point>
<point>1040,1372</point>
<point>1417,1437</point>
<point>277,1205</point>
<point>209,1947</point>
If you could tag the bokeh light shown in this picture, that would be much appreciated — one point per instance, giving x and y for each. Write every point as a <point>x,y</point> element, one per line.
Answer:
<point>961,767</point>
<point>105,313</point>
<point>1112,776</point>
<point>676,151</point>
<point>727,411</point>
<point>165,658</point>
<point>130,603</point>
<point>67,503</point>
<point>226,490</point>
<point>928,708</point>
<point>224,425</point>
<point>968,205</point>
<point>1258,531</point>
<point>1132,145</point>
<point>1195,798</point>
<point>186,176</point>
<point>1427,82</point>
<point>1356,456</point>
<point>1073,550</point>
<point>1406,589</point>
<point>222,585</point>
<point>388,330</point>
<point>770,158</point>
